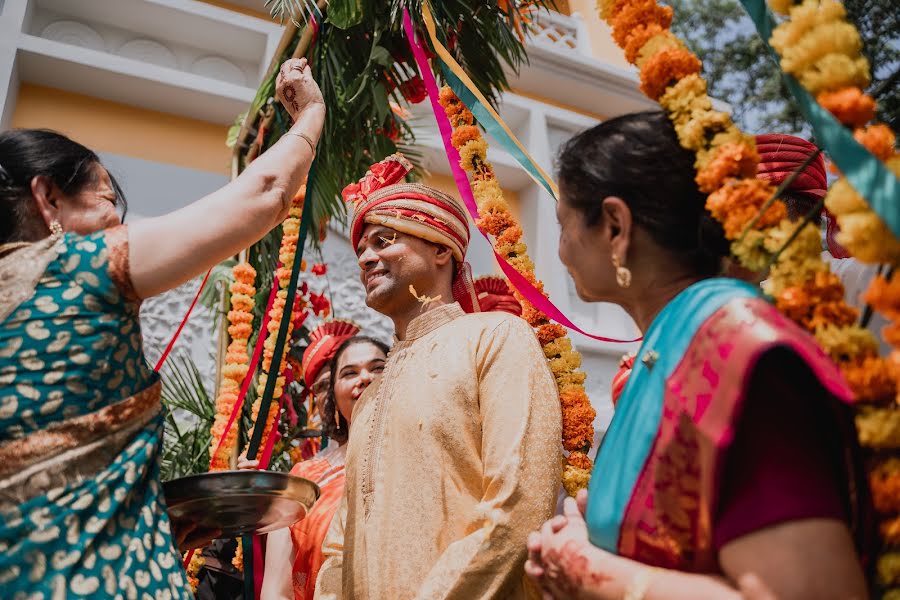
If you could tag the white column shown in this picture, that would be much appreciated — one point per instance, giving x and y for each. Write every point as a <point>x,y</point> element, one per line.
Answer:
<point>14,17</point>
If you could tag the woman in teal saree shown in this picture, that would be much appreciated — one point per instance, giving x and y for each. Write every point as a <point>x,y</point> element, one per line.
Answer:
<point>81,506</point>
<point>731,453</point>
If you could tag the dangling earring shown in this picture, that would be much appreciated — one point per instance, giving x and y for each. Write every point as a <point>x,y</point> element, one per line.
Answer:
<point>623,274</point>
<point>56,229</point>
<point>337,418</point>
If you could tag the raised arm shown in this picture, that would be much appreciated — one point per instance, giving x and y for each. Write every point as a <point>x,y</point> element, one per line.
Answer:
<point>168,250</point>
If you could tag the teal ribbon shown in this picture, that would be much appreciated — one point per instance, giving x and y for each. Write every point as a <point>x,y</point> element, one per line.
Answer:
<point>493,127</point>
<point>869,176</point>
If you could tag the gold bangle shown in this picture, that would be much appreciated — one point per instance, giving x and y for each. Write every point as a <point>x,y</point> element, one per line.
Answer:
<point>312,145</point>
<point>639,585</point>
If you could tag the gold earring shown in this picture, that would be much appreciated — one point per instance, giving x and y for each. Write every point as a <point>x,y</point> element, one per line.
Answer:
<point>56,228</point>
<point>623,274</point>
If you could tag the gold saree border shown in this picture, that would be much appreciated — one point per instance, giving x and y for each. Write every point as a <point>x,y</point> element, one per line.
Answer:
<point>17,455</point>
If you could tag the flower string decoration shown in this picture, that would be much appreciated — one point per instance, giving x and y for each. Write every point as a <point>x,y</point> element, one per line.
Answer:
<point>821,49</point>
<point>497,220</point>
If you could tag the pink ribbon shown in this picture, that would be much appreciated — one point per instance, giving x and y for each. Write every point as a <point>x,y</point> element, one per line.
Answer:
<point>522,285</point>
<point>165,354</point>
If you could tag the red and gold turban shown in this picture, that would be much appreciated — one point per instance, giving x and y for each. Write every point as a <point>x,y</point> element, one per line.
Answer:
<point>324,341</point>
<point>780,155</point>
<point>382,198</point>
<point>494,294</point>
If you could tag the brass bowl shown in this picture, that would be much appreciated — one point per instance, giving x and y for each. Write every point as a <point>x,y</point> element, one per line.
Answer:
<point>229,504</point>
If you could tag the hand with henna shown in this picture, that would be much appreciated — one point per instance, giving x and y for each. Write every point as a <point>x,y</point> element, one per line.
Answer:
<point>296,88</point>
<point>562,561</point>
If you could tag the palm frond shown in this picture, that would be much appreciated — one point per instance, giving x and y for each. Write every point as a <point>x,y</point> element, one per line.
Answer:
<point>291,10</point>
<point>189,416</point>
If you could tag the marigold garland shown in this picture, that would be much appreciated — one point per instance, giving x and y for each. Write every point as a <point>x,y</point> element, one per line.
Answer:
<point>497,221</point>
<point>288,250</point>
<point>822,51</point>
<point>236,364</point>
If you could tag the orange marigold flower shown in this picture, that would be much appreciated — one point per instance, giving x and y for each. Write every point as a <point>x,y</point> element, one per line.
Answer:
<point>550,331</point>
<point>240,330</point>
<point>237,287</point>
<point>878,139</point>
<point>665,68</point>
<point>638,13</point>
<point>465,134</point>
<point>871,379</point>
<point>241,302</point>
<point>533,316</point>
<point>244,272</point>
<point>448,97</point>
<point>511,235</point>
<point>639,36</point>
<point>850,106</point>
<point>579,460</point>
<point>884,296</point>
<point>239,316</point>
<point>573,398</point>
<point>884,481</point>
<point>737,202</point>
<point>890,531</point>
<point>837,313</point>
<point>495,223</point>
<point>578,428</point>
<point>730,160</point>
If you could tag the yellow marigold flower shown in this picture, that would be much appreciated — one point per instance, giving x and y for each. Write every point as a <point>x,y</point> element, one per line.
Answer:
<point>878,427</point>
<point>694,133</point>
<point>567,361</point>
<point>888,567</point>
<point>517,249</point>
<point>488,192</point>
<point>751,252</point>
<point>522,263</point>
<point>290,227</point>
<point>803,18</point>
<point>868,239</point>
<point>570,379</point>
<point>807,243</point>
<point>666,39</point>
<point>829,38</point>
<point>842,199</point>
<point>682,99</point>
<point>575,479</point>
<point>846,343</point>
<point>833,72</point>
<point>472,153</point>
<point>557,347</point>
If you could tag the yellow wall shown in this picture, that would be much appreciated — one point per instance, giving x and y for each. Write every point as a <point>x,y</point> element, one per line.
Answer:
<point>121,129</point>
<point>447,185</point>
<point>601,36</point>
<point>261,13</point>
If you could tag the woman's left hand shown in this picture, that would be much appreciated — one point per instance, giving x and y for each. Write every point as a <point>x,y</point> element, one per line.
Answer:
<point>562,560</point>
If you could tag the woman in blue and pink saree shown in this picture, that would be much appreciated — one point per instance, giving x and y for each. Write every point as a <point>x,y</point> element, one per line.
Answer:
<point>730,462</point>
<point>82,513</point>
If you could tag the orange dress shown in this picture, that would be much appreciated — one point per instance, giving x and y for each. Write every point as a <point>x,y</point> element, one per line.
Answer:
<point>326,469</point>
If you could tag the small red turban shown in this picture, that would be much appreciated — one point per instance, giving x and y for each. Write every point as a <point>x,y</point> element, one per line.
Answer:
<point>494,294</point>
<point>780,155</point>
<point>324,341</point>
